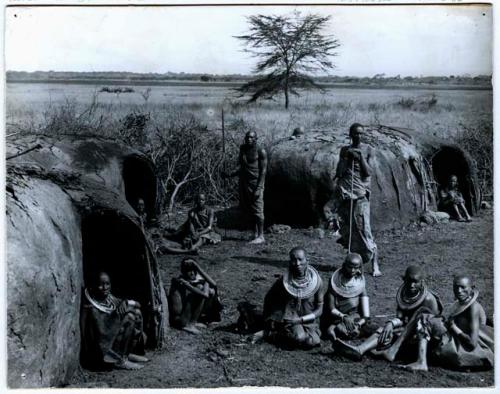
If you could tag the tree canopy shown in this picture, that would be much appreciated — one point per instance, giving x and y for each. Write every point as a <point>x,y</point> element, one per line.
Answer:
<point>290,48</point>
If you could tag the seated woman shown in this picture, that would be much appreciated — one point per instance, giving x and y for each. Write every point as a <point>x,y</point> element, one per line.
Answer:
<point>413,299</point>
<point>112,333</point>
<point>193,299</point>
<point>294,304</point>
<point>347,311</point>
<point>198,230</point>
<point>460,339</point>
<point>451,201</point>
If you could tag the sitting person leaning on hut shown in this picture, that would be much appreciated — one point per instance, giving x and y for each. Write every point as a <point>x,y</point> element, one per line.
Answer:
<point>413,299</point>
<point>347,304</point>
<point>112,333</point>
<point>196,231</point>
<point>460,339</point>
<point>452,201</point>
<point>193,299</point>
<point>293,305</point>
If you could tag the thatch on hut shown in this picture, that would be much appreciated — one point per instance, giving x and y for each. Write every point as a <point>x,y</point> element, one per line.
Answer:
<point>70,215</point>
<point>408,168</point>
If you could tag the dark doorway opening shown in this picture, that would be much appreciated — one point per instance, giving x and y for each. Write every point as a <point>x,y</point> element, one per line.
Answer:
<point>451,161</point>
<point>140,182</point>
<point>114,244</point>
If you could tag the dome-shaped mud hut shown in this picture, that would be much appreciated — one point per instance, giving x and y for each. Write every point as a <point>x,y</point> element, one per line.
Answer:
<point>70,215</point>
<point>407,170</point>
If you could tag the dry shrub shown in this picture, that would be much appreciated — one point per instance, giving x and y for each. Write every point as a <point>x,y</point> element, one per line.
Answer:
<point>477,139</point>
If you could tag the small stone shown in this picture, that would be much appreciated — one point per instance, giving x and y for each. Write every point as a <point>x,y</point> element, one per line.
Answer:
<point>485,205</point>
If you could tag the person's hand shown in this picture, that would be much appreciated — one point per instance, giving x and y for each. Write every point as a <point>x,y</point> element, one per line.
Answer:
<point>349,323</point>
<point>122,308</point>
<point>292,320</point>
<point>183,281</point>
<point>449,323</point>
<point>386,334</point>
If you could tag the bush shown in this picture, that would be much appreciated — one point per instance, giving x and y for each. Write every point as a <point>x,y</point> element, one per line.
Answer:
<point>477,139</point>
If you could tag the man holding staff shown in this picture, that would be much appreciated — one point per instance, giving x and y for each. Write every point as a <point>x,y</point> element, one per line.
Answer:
<point>354,188</point>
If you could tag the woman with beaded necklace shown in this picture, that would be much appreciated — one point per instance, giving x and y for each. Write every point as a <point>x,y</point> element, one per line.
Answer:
<point>112,332</point>
<point>293,305</point>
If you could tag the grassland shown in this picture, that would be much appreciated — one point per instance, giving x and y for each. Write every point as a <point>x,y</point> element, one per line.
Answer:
<point>462,115</point>
<point>30,103</point>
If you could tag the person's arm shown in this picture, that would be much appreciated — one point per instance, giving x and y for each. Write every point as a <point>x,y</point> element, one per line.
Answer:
<point>319,300</point>
<point>262,169</point>
<point>389,327</point>
<point>364,163</point>
<point>345,318</point>
<point>207,229</point>
<point>207,277</point>
<point>202,293</point>
<point>364,301</point>
<point>175,302</point>
<point>469,342</point>
<point>339,173</point>
<point>310,317</point>
<point>192,229</point>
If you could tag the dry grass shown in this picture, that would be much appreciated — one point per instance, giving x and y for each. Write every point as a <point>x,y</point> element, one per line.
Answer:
<point>465,116</point>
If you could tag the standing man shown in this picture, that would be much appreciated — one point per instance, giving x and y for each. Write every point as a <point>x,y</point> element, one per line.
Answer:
<point>354,187</point>
<point>252,175</point>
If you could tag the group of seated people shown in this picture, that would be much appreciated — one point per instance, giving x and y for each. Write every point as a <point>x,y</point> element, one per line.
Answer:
<point>299,310</point>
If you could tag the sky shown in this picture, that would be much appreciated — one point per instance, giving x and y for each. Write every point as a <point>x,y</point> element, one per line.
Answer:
<point>393,40</point>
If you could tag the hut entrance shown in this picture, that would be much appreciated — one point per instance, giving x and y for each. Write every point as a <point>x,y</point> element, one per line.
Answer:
<point>140,182</point>
<point>449,161</point>
<point>115,245</point>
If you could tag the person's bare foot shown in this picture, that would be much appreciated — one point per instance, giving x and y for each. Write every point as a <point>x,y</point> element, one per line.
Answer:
<point>200,325</point>
<point>191,329</point>
<point>258,240</point>
<point>347,350</point>
<point>416,366</point>
<point>376,270</point>
<point>129,365</point>
<point>137,358</point>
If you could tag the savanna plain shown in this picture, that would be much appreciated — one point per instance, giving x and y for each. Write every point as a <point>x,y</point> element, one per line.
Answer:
<point>220,356</point>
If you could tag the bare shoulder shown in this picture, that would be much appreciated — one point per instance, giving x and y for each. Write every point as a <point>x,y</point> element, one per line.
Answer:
<point>262,152</point>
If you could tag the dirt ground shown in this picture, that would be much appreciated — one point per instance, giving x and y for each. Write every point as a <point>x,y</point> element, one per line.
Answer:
<point>219,357</point>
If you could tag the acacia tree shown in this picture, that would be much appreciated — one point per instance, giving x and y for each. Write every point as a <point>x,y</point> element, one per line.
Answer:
<point>289,49</point>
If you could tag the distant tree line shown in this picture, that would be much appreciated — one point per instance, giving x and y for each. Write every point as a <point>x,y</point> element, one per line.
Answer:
<point>378,79</point>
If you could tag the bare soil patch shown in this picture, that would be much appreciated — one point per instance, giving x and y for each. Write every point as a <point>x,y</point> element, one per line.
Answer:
<point>220,357</point>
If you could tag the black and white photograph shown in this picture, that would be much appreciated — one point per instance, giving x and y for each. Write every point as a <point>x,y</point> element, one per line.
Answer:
<point>249,195</point>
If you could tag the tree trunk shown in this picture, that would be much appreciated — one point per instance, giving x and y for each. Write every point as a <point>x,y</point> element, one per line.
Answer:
<point>287,100</point>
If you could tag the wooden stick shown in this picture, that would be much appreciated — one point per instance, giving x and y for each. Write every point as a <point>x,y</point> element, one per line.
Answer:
<point>37,146</point>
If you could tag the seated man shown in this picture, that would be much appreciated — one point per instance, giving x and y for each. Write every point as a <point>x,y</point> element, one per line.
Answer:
<point>347,303</point>
<point>451,201</point>
<point>460,339</point>
<point>413,299</point>
<point>198,229</point>
<point>141,211</point>
<point>193,299</point>
<point>294,304</point>
<point>112,333</point>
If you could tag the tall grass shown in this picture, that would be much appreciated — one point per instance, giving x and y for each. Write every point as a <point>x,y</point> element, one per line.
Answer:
<point>464,117</point>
